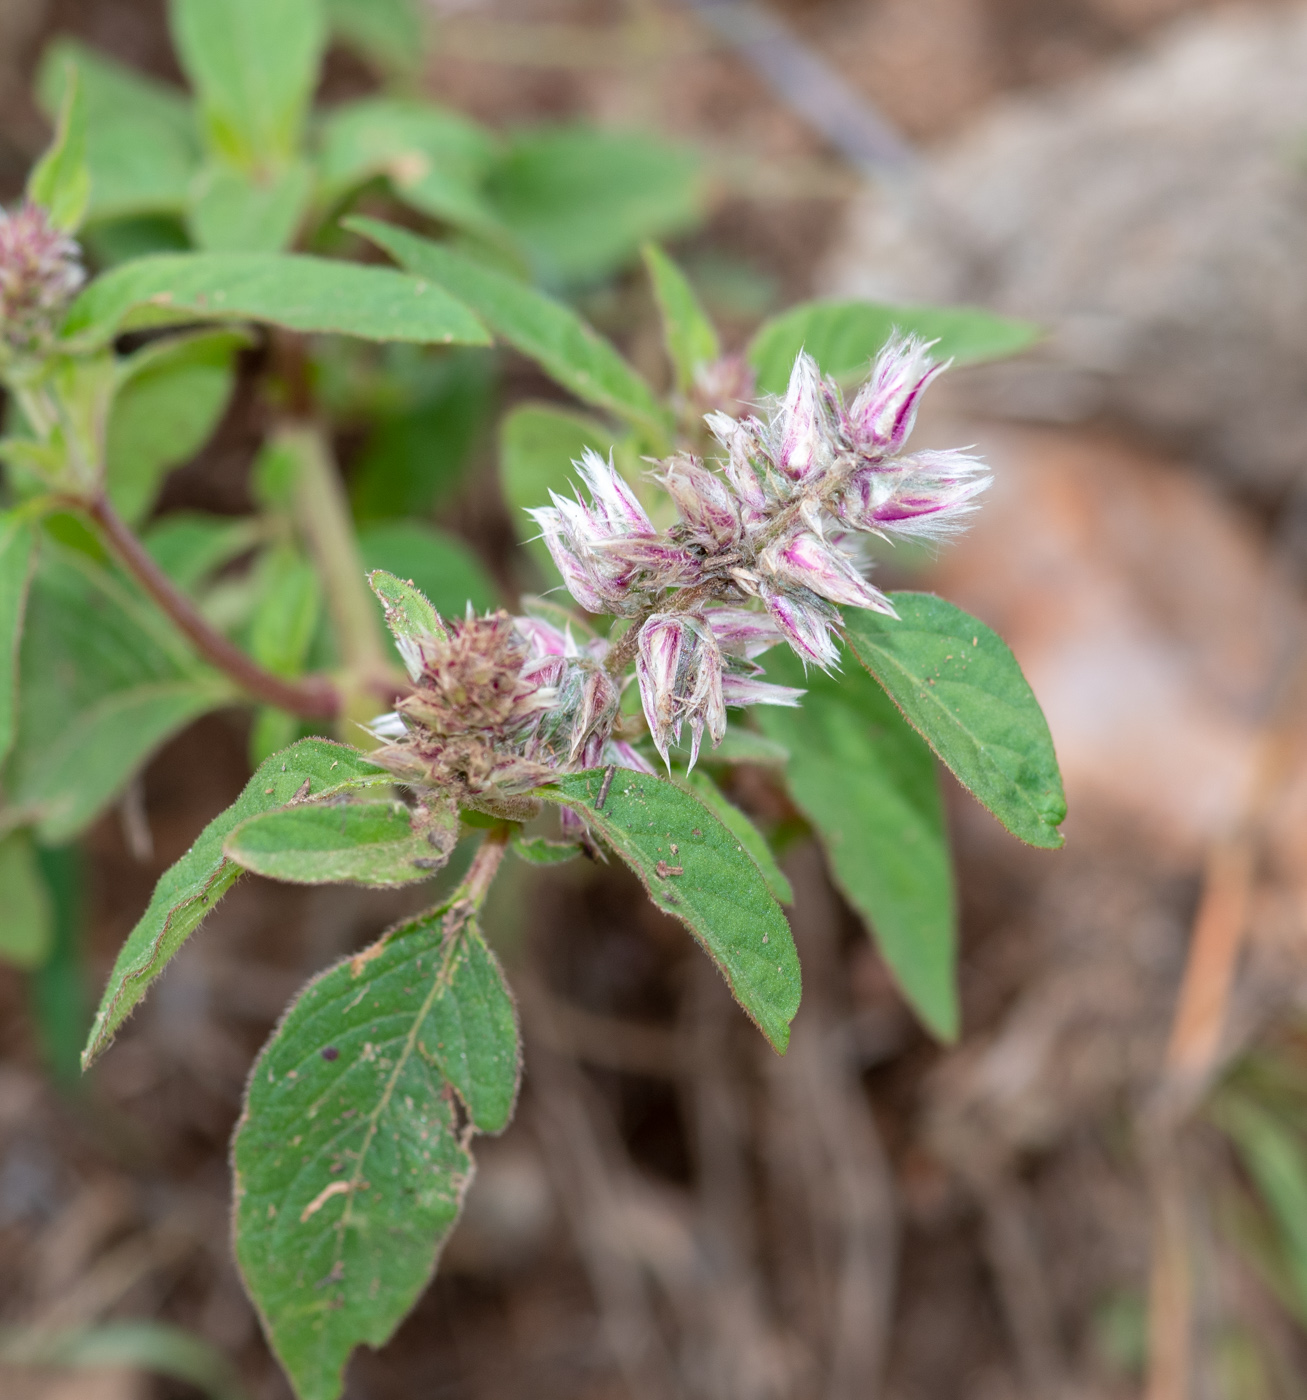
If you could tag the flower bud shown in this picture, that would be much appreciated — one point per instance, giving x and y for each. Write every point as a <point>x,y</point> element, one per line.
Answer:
<point>802,560</point>
<point>745,690</point>
<point>594,716</point>
<point>807,622</point>
<point>39,272</point>
<point>704,501</point>
<point>803,432</point>
<point>741,632</point>
<point>926,495</point>
<point>679,670</point>
<point>880,418</point>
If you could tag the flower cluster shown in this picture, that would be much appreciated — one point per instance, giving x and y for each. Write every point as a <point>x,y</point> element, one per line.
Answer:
<point>39,272</point>
<point>775,521</point>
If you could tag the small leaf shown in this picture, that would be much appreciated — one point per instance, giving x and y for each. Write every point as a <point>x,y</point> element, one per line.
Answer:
<point>441,566</point>
<point>689,335</point>
<point>17,558</point>
<point>350,1159</point>
<point>27,928</point>
<point>564,346</point>
<point>537,850</point>
<point>300,293</point>
<point>359,843</point>
<point>739,825</point>
<point>254,66</point>
<point>60,181</point>
<point>167,408</point>
<point>188,889</point>
<point>961,688</point>
<point>869,787</point>
<point>845,336</point>
<point>142,143</point>
<point>409,614</point>
<point>582,200</point>
<point>696,869</point>
<point>231,211</point>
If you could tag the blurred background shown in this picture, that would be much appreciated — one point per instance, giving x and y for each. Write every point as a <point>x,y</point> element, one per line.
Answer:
<point>1101,1189</point>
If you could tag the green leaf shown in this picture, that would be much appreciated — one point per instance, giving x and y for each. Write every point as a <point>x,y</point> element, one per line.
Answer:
<point>350,1158</point>
<point>105,680</point>
<point>189,546</point>
<point>538,850</point>
<point>409,613</point>
<point>60,181</point>
<point>415,458</point>
<point>553,335</point>
<point>188,889</point>
<point>961,688</point>
<point>441,566</point>
<point>696,869</point>
<point>689,335</point>
<point>537,446</point>
<point>289,607</point>
<point>583,200</point>
<point>300,293</point>
<point>17,558</point>
<point>165,411</point>
<point>361,843</point>
<point>1274,1157</point>
<point>142,144</point>
<point>436,160</point>
<point>739,825</point>
<point>142,1345</point>
<point>390,32</point>
<point>27,929</point>
<point>844,336</point>
<point>254,66</point>
<point>869,787</point>
<point>233,211</point>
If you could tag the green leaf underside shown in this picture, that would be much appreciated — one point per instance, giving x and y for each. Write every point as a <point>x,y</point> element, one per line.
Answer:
<point>869,787</point>
<point>349,1160</point>
<point>563,345</point>
<point>298,292</point>
<point>689,335</point>
<point>844,336</point>
<point>710,883</point>
<point>17,556</point>
<point>361,843</point>
<point>748,835</point>
<point>189,888</point>
<point>961,688</point>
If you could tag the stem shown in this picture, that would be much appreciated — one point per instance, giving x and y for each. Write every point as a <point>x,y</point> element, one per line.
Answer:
<point>314,697</point>
<point>485,865</point>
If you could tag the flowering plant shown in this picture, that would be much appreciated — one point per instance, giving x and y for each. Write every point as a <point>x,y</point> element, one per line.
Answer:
<point>725,574</point>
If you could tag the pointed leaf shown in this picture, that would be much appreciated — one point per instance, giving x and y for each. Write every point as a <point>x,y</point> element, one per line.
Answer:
<point>538,850</point>
<point>390,32</point>
<point>350,1159</point>
<point>17,558</point>
<point>689,335</point>
<point>845,336</point>
<point>231,211</point>
<point>961,688</point>
<point>445,568</point>
<point>695,868</point>
<point>381,844</point>
<point>300,293</point>
<point>408,613</point>
<point>254,66</point>
<point>191,887</point>
<point>868,785</point>
<point>553,335</point>
<point>60,181</point>
<point>739,825</point>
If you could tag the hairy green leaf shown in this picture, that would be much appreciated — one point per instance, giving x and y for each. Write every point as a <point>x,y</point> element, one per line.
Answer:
<point>844,336</point>
<point>696,869</point>
<point>27,928</point>
<point>350,1158</point>
<point>358,843</point>
<point>689,335</point>
<point>868,785</point>
<point>739,825</point>
<point>142,144</point>
<point>60,181</point>
<point>190,887</point>
<point>232,211</point>
<point>582,200</point>
<point>563,345</point>
<point>441,566</point>
<point>961,688</point>
<point>165,412</point>
<point>17,557</point>
<point>254,65</point>
<point>409,613</point>
<point>301,293</point>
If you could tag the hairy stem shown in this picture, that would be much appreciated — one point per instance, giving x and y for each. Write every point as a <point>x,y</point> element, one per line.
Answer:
<point>314,697</point>
<point>485,865</point>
